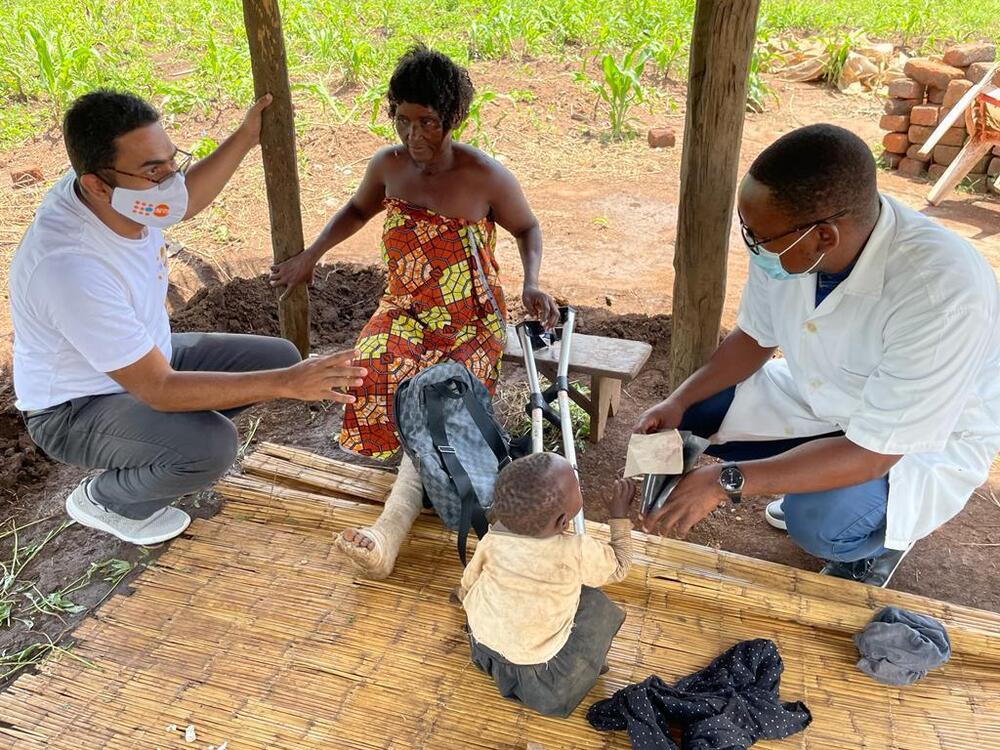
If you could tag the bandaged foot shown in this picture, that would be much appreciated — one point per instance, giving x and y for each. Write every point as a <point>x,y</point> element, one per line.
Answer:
<point>373,549</point>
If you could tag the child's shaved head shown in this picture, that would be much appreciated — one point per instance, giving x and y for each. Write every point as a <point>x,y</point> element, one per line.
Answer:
<point>533,492</point>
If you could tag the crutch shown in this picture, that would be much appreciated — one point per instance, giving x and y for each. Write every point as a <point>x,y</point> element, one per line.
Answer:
<point>565,416</point>
<point>536,401</point>
<point>531,336</point>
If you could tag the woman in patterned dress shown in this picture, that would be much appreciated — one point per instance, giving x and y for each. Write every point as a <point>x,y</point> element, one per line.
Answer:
<point>443,299</point>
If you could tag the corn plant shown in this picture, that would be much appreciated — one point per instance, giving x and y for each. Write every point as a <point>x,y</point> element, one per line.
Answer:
<point>341,114</point>
<point>62,68</point>
<point>620,88</point>
<point>665,53</point>
<point>478,137</point>
<point>758,90</point>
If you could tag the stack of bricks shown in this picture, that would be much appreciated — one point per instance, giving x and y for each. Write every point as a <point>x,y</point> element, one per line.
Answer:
<point>919,101</point>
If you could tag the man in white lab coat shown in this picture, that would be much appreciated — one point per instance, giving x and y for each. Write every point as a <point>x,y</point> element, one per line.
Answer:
<point>883,415</point>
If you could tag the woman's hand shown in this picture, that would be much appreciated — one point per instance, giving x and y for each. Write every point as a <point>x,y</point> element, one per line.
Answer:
<point>296,270</point>
<point>541,305</point>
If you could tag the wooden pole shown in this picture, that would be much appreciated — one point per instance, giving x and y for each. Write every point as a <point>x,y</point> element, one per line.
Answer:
<point>721,44</point>
<point>277,140</point>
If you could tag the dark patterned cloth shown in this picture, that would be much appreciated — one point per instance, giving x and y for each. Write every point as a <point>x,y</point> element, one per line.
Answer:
<point>728,705</point>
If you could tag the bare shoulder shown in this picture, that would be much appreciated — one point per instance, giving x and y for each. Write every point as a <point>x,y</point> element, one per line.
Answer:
<point>483,166</point>
<point>388,159</point>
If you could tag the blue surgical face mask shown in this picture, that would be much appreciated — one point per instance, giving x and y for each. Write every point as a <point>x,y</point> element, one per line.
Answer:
<point>770,263</point>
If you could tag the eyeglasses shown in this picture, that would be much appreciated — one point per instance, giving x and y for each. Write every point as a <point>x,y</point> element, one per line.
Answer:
<point>172,167</point>
<point>754,245</point>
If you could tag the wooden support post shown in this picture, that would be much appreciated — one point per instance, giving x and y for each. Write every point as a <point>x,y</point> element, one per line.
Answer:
<point>277,140</point>
<point>721,45</point>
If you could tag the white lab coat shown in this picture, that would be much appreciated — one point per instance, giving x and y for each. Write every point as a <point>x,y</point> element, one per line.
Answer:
<point>903,356</point>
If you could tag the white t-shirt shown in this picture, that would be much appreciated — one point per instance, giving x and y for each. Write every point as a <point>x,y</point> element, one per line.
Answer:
<point>84,301</point>
<point>903,356</point>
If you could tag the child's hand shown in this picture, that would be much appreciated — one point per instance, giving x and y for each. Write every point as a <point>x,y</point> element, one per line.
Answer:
<point>620,501</point>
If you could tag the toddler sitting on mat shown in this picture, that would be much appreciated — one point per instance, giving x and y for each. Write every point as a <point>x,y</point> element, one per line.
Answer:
<point>537,623</point>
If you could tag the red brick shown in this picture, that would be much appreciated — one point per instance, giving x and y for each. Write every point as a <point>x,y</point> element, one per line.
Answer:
<point>662,138</point>
<point>934,171</point>
<point>925,114</point>
<point>977,71</point>
<point>994,167</point>
<point>953,137</point>
<point>913,152</point>
<point>896,143</point>
<point>963,55</point>
<point>890,160</point>
<point>935,95</point>
<point>894,123</point>
<point>945,154</point>
<point>931,73</point>
<point>919,133</point>
<point>955,91</point>
<point>22,178</point>
<point>983,165</point>
<point>900,106</point>
<point>906,88</point>
<point>912,167</point>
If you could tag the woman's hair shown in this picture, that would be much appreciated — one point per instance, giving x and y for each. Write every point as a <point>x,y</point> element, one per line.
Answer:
<point>527,495</point>
<point>432,79</point>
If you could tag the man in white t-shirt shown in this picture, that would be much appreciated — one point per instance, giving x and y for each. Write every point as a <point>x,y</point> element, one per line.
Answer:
<point>883,415</point>
<point>100,379</point>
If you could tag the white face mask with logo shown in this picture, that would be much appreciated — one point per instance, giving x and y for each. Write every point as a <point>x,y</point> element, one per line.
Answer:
<point>160,206</point>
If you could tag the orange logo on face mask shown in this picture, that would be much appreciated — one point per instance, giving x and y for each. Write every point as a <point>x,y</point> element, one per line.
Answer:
<point>161,210</point>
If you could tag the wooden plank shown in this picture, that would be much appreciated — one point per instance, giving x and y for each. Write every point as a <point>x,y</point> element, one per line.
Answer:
<point>622,359</point>
<point>957,111</point>
<point>278,469</point>
<point>277,142</point>
<point>721,43</point>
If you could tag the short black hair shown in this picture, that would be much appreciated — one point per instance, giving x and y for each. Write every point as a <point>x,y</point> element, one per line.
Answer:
<point>526,497</point>
<point>432,79</point>
<point>96,120</point>
<point>816,171</point>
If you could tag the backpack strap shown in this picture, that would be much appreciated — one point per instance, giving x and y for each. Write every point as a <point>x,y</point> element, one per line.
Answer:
<point>487,426</point>
<point>472,514</point>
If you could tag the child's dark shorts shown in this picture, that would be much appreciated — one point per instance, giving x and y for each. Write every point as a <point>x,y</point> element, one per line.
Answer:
<point>557,687</point>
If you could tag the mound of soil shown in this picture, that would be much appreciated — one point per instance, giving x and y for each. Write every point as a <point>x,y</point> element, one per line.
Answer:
<point>342,299</point>
<point>21,463</point>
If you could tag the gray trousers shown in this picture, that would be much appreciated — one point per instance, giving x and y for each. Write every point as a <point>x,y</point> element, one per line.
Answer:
<point>151,457</point>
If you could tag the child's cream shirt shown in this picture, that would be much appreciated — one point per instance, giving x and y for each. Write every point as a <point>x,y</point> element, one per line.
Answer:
<point>521,593</point>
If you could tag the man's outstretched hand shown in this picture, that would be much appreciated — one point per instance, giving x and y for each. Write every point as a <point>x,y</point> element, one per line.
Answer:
<point>325,378</point>
<point>664,416</point>
<point>696,495</point>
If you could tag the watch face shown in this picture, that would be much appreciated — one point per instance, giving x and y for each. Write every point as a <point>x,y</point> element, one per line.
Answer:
<point>731,479</point>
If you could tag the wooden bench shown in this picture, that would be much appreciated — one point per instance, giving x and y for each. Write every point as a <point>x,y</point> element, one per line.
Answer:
<point>610,363</point>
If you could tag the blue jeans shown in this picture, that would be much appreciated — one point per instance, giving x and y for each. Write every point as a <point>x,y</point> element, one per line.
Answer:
<point>846,524</point>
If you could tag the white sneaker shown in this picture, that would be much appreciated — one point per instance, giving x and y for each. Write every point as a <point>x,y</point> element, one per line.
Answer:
<point>774,514</point>
<point>165,524</point>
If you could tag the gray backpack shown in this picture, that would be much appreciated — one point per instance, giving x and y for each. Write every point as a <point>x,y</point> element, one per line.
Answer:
<point>446,425</point>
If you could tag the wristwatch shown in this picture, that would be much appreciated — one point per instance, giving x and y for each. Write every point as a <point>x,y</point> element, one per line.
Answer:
<point>731,480</point>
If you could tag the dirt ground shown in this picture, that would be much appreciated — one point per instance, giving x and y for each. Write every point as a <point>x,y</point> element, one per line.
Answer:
<point>595,201</point>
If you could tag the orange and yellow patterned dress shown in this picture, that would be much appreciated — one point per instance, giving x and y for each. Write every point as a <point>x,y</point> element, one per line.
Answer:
<point>443,301</point>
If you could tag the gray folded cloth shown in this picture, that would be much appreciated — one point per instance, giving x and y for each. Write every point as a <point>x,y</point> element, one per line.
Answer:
<point>898,647</point>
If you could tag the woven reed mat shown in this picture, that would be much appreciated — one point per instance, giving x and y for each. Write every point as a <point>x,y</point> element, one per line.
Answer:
<point>254,630</point>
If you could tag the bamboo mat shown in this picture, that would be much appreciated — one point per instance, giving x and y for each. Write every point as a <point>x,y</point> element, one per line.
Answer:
<point>254,630</point>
